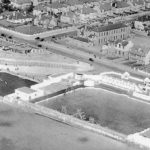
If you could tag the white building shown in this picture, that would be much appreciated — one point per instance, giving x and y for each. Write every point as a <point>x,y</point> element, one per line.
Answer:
<point>27,94</point>
<point>142,138</point>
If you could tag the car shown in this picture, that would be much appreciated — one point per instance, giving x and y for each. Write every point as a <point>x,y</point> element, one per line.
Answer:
<point>91,59</point>
<point>2,34</point>
<point>10,37</point>
<point>39,45</point>
<point>42,39</point>
<point>37,38</point>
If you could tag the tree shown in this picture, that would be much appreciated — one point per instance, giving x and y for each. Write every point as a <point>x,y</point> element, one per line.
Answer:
<point>79,114</point>
<point>64,109</point>
<point>30,9</point>
<point>5,1</point>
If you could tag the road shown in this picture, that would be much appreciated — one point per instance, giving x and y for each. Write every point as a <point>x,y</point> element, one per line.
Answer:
<point>97,62</point>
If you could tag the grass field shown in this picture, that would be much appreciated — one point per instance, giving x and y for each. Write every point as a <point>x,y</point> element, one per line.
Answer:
<point>27,131</point>
<point>116,112</point>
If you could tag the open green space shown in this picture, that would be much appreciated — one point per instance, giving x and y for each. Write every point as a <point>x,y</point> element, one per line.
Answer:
<point>27,131</point>
<point>117,112</point>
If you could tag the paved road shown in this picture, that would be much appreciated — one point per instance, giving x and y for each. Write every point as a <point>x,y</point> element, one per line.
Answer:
<point>83,56</point>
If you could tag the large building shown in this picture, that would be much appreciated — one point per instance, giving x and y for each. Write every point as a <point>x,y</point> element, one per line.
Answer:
<point>101,35</point>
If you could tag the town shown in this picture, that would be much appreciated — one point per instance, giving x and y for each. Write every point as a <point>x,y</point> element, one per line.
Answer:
<point>76,72</point>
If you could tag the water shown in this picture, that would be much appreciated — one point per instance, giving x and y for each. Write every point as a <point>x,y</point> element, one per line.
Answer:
<point>8,83</point>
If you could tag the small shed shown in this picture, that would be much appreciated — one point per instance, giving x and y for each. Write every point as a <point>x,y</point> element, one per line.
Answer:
<point>27,94</point>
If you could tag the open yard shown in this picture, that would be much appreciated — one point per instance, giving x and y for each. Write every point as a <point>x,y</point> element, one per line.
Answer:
<point>27,131</point>
<point>116,112</point>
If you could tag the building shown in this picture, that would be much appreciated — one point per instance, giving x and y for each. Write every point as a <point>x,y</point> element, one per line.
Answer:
<point>37,2</point>
<point>21,4</point>
<point>141,55</point>
<point>27,94</point>
<point>142,138</point>
<point>118,49</point>
<point>101,35</point>
<point>21,18</point>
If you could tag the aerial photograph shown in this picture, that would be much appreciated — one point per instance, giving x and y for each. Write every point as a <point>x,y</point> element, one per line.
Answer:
<point>74,74</point>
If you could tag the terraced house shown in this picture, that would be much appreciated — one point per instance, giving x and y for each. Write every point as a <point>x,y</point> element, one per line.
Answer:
<point>140,55</point>
<point>103,34</point>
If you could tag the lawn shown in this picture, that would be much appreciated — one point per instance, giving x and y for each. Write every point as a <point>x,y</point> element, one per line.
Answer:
<point>27,131</point>
<point>116,112</point>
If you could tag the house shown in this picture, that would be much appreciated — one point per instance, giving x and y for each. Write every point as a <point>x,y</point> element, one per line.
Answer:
<point>69,17</point>
<point>139,25</point>
<point>123,48</point>
<point>21,4</point>
<point>121,6</point>
<point>27,94</point>
<point>118,48</point>
<point>39,9</point>
<point>53,22</point>
<point>141,55</point>
<point>147,4</point>
<point>87,13</point>
<point>102,34</point>
<point>38,2</point>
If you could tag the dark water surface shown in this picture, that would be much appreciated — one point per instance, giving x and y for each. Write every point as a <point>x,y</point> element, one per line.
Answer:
<point>8,83</point>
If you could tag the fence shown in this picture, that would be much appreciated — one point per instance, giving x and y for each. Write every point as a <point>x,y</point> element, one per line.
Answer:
<point>36,63</point>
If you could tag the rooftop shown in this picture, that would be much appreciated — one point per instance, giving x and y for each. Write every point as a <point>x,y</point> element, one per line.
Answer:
<point>55,87</point>
<point>146,133</point>
<point>107,27</point>
<point>25,90</point>
<point>105,6</point>
<point>82,39</point>
<point>141,51</point>
<point>121,4</point>
<point>20,2</point>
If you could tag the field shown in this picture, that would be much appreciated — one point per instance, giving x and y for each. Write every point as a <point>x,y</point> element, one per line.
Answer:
<point>27,131</point>
<point>116,112</point>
